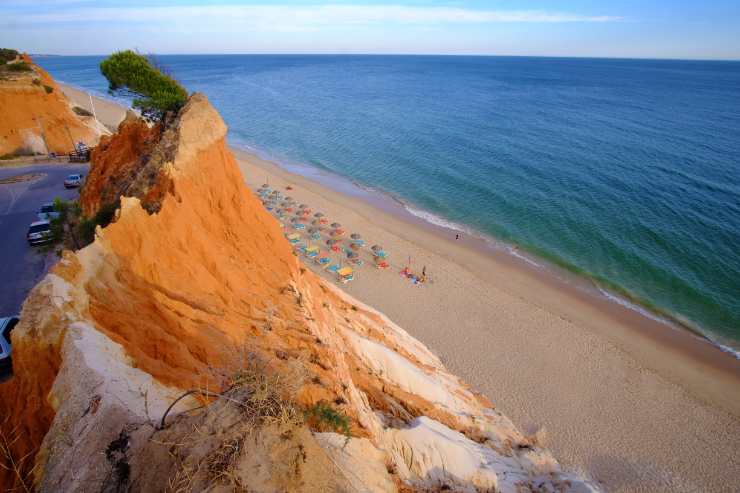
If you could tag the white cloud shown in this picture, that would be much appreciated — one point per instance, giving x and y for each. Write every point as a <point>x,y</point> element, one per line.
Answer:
<point>290,16</point>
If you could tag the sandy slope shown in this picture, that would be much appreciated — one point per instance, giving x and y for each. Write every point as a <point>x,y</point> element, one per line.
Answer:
<point>544,357</point>
<point>626,401</point>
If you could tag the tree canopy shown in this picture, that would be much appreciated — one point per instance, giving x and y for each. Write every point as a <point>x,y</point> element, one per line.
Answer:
<point>155,93</point>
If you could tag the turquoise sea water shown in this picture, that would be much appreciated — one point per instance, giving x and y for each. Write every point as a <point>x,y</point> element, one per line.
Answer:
<point>624,171</point>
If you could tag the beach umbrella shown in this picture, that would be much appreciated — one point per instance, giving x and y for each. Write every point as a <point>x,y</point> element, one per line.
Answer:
<point>354,246</point>
<point>319,214</point>
<point>337,232</point>
<point>352,254</point>
<point>336,225</point>
<point>376,248</point>
<point>355,236</point>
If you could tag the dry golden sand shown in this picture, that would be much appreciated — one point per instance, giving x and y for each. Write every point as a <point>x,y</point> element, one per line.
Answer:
<point>637,412</point>
<point>107,112</point>
<point>636,405</point>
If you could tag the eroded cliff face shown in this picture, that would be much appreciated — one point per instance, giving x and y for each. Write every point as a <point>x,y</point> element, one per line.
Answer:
<point>37,118</point>
<point>193,287</point>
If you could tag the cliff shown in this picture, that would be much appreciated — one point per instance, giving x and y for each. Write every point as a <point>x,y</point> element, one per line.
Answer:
<point>36,116</point>
<point>295,385</point>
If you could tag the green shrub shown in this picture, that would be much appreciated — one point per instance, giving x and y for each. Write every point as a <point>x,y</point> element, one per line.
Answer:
<point>7,55</point>
<point>86,226</point>
<point>324,417</point>
<point>18,67</point>
<point>81,111</point>
<point>48,89</point>
<point>155,92</point>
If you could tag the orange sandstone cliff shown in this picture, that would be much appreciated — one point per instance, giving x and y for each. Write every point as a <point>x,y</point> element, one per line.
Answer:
<point>295,385</point>
<point>36,118</point>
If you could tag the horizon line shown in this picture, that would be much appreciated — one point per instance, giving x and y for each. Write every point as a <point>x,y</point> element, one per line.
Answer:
<point>480,55</point>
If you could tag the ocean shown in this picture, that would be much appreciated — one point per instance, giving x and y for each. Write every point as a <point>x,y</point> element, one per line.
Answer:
<point>626,172</point>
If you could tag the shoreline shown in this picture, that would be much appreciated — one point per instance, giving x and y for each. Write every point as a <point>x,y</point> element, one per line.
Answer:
<point>624,399</point>
<point>487,245</point>
<point>646,326</point>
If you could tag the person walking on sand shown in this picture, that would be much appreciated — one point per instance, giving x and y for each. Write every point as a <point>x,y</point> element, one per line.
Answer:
<point>457,236</point>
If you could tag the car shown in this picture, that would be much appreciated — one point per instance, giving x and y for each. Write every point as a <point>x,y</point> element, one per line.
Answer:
<point>73,181</point>
<point>7,324</point>
<point>39,232</point>
<point>47,212</point>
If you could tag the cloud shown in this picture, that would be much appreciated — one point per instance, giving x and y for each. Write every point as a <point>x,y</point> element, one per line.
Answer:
<point>302,16</point>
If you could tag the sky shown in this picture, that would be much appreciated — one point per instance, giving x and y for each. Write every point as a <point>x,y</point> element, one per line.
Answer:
<point>707,29</point>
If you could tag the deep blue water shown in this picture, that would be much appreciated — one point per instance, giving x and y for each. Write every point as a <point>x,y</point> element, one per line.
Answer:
<point>626,171</point>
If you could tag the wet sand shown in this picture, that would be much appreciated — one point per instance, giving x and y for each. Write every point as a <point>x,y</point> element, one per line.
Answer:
<point>623,398</point>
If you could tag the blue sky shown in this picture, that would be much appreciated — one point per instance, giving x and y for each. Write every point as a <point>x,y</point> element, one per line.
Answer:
<point>620,28</point>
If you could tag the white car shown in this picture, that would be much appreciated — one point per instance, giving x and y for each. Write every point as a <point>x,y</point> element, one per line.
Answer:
<point>73,181</point>
<point>39,232</point>
<point>6,326</point>
<point>47,212</point>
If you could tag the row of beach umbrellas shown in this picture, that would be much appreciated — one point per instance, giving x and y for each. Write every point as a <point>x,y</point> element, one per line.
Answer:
<point>270,199</point>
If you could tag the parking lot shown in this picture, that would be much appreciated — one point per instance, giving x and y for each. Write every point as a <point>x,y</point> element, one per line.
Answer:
<point>22,266</point>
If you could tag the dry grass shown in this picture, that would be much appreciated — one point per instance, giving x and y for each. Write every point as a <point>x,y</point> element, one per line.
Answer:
<point>17,467</point>
<point>255,398</point>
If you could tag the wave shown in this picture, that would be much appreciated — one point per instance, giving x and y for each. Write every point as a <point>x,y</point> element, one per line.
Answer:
<point>436,220</point>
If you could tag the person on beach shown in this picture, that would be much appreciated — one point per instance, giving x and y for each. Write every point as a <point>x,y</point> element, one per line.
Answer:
<point>457,236</point>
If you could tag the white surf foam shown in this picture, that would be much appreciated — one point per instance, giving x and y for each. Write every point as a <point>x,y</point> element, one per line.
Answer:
<point>436,220</point>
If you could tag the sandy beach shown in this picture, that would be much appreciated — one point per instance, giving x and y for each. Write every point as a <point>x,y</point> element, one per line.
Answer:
<point>622,398</point>
<point>109,113</point>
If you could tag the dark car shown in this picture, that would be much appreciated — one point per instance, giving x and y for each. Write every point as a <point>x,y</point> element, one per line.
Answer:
<point>47,212</point>
<point>39,232</point>
<point>7,324</point>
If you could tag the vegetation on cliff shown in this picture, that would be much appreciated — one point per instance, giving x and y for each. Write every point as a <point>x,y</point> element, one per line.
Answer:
<point>7,55</point>
<point>156,93</point>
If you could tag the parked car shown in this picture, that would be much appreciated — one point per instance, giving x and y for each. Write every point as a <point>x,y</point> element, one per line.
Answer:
<point>39,232</point>
<point>47,212</point>
<point>7,324</point>
<point>73,181</point>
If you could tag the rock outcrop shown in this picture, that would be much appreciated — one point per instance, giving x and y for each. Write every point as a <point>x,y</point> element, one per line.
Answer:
<point>36,116</point>
<point>295,385</point>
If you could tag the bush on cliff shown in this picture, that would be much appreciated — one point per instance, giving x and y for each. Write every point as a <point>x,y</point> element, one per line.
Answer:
<point>7,55</point>
<point>155,93</point>
<point>18,67</point>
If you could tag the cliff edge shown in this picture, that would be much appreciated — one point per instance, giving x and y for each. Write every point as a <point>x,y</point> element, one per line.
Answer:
<point>187,349</point>
<point>36,116</point>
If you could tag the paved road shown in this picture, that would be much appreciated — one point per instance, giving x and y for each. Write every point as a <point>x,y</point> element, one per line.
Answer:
<point>22,266</point>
